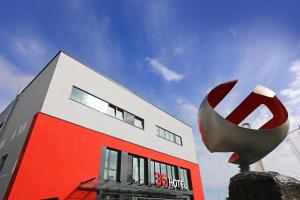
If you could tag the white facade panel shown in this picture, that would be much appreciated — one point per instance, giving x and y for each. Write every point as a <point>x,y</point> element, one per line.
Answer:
<point>70,72</point>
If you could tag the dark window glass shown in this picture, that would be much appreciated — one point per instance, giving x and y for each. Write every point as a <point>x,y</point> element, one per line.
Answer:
<point>128,118</point>
<point>2,161</point>
<point>76,94</point>
<point>111,165</point>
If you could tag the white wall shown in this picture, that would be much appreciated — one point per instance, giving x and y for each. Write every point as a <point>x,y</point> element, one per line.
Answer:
<point>70,72</point>
<point>29,103</point>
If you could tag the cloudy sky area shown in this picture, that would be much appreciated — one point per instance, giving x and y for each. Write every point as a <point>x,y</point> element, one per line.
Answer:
<point>169,52</point>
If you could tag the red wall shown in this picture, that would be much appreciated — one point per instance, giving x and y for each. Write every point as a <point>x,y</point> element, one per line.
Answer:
<point>59,155</point>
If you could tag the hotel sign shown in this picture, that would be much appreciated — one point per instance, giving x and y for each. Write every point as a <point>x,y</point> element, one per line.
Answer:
<point>162,180</point>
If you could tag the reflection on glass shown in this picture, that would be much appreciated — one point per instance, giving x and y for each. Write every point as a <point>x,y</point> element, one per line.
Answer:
<point>120,114</point>
<point>135,170</point>
<point>161,133</point>
<point>173,172</point>
<point>138,123</point>
<point>113,159</point>
<point>111,110</point>
<point>110,165</point>
<point>172,137</point>
<point>157,167</point>
<point>167,135</point>
<point>101,106</point>
<point>163,168</point>
<point>152,172</point>
<point>185,178</point>
<point>178,140</point>
<point>142,169</point>
<point>169,171</point>
<point>76,94</point>
<point>88,100</point>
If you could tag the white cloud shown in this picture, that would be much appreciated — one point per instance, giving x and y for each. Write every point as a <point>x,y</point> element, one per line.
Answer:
<point>28,47</point>
<point>292,92</point>
<point>164,71</point>
<point>11,78</point>
<point>178,51</point>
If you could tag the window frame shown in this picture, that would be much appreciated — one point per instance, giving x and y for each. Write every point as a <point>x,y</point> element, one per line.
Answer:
<point>170,135</point>
<point>116,108</point>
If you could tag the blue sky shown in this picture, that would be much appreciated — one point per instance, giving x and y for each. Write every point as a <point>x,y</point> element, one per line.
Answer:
<point>169,52</point>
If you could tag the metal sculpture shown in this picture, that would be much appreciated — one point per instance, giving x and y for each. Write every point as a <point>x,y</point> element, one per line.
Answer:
<point>224,135</point>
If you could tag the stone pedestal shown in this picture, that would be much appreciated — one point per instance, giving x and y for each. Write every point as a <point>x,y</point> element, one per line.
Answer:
<point>263,186</point>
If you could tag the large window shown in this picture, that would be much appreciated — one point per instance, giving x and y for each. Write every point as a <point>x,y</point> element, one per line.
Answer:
<point>184,176</point>
<point>104,107</point>
<point>168,135</point>
<point>138,169</point>
<point>162,168</point>
<point>111,164</point>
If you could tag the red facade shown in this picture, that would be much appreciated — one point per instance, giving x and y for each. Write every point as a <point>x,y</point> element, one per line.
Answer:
<point>59,155</point>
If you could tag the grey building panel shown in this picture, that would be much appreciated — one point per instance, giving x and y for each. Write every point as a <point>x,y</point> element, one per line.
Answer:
<point>30,101</point>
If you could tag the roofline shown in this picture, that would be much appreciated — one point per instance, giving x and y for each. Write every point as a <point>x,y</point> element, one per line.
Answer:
<point>23,90</point>
<point>93,69</point>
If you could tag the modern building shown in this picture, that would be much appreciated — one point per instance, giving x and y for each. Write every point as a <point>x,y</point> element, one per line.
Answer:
<point>73,133</point>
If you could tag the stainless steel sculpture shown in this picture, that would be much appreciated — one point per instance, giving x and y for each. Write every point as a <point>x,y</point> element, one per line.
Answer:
<point>224,135</point>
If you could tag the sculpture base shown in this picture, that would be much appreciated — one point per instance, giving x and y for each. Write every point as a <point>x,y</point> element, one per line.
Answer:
<point>263,186</point>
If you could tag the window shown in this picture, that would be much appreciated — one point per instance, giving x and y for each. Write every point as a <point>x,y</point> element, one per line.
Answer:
<point>138,122</point>
<point>101,106</point>
<point>76,94</point>
<point>178,140</point>
<point>111,110</point>
<point>169,136</point>
<point>88,100</point>
<point>2,161</point>
<point>152,172</point>
<point>94,102</point>
<point>120,114</point>
<point>162,168</point>
<point>111,164</point>
<point>184,176</point>
<point>138,170</point>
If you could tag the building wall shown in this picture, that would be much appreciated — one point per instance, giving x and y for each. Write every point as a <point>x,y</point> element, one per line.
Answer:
<point>59,155</point>
<point>16,129</point>
<point>70,72</point>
